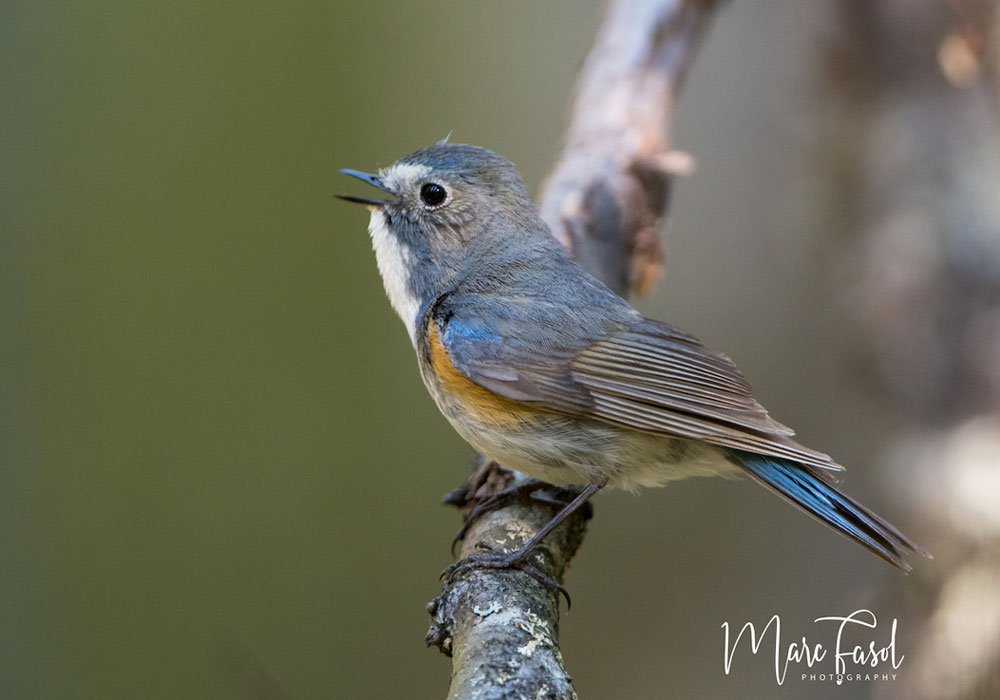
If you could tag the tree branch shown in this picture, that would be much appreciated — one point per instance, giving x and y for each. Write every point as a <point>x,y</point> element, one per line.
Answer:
<point>607,200</point>
<point>607,196</point>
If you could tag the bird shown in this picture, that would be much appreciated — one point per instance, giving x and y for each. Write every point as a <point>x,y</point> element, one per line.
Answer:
<point>543,369</point>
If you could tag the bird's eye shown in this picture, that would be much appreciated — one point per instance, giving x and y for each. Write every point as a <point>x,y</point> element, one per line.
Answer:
<point>432,194</point>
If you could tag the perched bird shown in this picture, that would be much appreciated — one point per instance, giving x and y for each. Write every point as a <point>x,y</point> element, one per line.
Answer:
<point>543,369</point>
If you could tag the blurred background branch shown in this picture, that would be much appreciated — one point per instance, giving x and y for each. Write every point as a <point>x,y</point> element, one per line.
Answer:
<point>607,200</point>
<point>913,152</point>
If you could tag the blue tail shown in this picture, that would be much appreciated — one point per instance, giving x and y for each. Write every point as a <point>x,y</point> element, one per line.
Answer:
<point>812,492</point>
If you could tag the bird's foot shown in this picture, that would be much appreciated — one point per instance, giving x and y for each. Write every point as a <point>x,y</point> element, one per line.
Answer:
<point>494,559</point>
<point>495,501</point>
<point>525,492</point>
<point>485,475</point>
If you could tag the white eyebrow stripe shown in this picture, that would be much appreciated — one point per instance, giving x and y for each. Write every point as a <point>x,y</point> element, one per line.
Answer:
<point>401,175</point>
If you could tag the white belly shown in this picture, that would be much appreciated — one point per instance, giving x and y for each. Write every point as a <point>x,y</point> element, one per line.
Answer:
<point>562,451</point>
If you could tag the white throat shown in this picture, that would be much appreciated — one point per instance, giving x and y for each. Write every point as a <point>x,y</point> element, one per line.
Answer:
<point>394,260</point>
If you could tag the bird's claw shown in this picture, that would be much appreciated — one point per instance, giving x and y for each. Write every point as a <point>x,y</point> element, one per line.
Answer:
<point>530,492</point>
<point>494,559</point>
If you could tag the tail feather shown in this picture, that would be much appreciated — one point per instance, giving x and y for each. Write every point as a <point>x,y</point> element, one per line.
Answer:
<point>812,493</point>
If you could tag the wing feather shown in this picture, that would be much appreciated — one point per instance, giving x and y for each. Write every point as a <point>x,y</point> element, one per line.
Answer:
<point>640,374</point>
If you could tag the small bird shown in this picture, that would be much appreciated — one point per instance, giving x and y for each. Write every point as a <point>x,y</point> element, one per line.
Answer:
<point>543,369</point>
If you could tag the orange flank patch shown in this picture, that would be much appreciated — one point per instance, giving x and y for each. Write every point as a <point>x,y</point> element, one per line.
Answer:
<point>481,403</point>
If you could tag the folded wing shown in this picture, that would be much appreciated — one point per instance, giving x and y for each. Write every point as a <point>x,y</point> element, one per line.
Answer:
<point>627,370</point>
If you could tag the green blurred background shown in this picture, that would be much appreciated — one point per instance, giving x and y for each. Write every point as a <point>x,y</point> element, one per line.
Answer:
<point>221,472</point>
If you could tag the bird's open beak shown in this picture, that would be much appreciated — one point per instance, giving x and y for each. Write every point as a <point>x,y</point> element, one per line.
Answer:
<point>374,181</point>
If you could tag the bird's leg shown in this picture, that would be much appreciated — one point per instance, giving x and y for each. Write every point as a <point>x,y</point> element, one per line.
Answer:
<point>495,501</point>
<point>519,559</point>
<point>491,487</point>
<point>526,492</point>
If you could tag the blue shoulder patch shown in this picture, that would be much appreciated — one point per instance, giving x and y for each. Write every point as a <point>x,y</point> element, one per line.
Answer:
<point>459,335</point>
